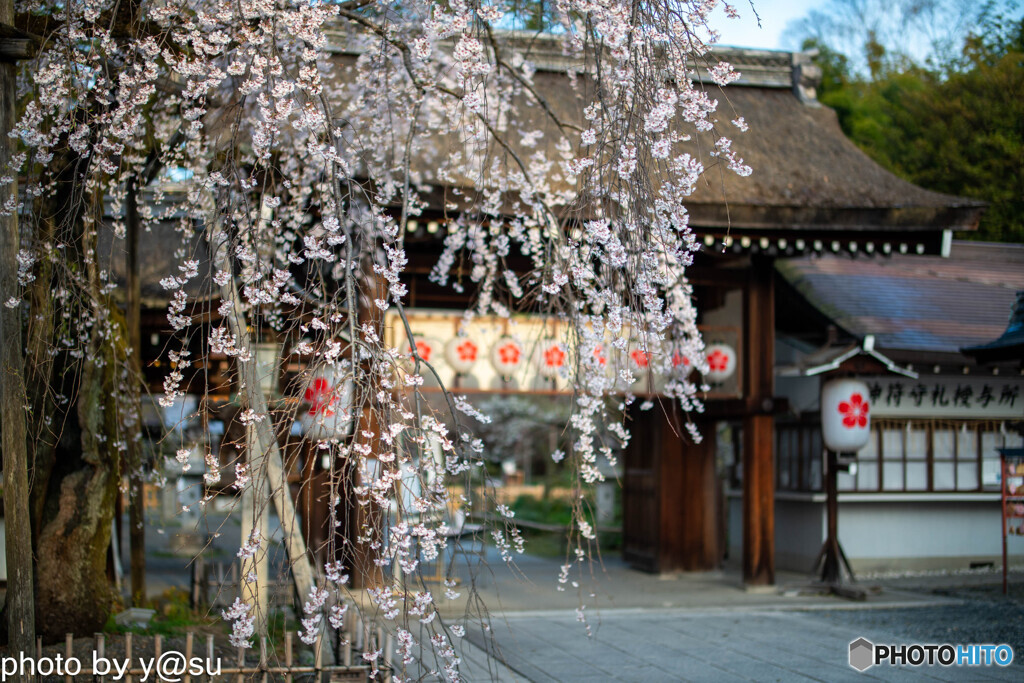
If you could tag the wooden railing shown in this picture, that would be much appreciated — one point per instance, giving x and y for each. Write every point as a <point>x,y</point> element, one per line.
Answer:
<point>201,662</point>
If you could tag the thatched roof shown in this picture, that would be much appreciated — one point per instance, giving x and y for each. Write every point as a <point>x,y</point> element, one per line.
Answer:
<point>807,175</point>
<point>809,180</point>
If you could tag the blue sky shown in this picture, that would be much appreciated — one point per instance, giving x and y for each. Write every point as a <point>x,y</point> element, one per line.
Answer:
<point>744,32</point>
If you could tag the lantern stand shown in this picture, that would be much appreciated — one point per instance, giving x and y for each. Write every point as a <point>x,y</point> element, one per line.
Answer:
<point>832,565</point>
<point>835,364</point>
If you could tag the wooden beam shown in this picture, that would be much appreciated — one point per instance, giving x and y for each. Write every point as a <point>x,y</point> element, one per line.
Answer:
<point>265,440</point>
<point>16,49</point>
<point>16,45</point>
<point>758,427</point>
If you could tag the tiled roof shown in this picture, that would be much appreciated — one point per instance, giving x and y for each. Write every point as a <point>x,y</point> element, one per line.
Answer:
<point>1010,345</point>
<point>916,303</point>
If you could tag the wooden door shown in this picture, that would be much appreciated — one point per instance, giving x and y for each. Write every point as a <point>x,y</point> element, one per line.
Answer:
<point>640,495</point>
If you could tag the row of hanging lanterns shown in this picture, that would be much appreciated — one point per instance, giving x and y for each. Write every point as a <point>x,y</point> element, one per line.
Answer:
<point>329,392</point>
<point>508,356</point>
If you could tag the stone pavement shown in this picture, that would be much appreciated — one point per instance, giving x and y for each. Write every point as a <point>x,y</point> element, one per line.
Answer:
<point>532,584</point>
<point>692,627</point>
<point>697,645</point>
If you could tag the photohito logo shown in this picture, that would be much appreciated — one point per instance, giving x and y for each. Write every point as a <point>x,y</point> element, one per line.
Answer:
<point>865,654</point>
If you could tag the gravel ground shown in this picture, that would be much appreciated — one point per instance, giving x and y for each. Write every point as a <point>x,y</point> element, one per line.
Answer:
<point>984,615</point>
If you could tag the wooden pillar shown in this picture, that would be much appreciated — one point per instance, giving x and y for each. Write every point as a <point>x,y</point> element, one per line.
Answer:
<point>641,494</point>
<point>136,480</point>
<point>758,427</point>
<point>364,527</point>
<point>315,496</point>
<point>20,591</point>
<point>831,555</point>
<point>365,523</point>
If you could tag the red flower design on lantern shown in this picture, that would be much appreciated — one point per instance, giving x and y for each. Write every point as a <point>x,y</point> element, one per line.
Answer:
<point>424,349</point>
<point>320,396</point>
<point>554,357</point>
<point>718,361</point>
<point>854,412</point>
<point>640,358</point>
<point>599,355</point>
<point>509,353</point>
<point>679,359</point>
<point>467,351</point>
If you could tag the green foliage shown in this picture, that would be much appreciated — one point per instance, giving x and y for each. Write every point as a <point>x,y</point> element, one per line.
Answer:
<point>958,129</point>
<point>174,617</point>
<point>545,511</point>
<point>558,512</point>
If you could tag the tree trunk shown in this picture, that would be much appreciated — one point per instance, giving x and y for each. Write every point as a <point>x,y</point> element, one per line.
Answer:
<point>73,591</point>
<point>75,426</point>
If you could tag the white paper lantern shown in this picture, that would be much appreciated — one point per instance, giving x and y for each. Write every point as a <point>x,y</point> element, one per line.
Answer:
<point>845,415</point>
<point>507,356</point>
<point>462,353</point>
<point>599,356</point>
<point>671,368</point>
<point>639,363</point>
<point>428,349</point>
<point>721,362</point>
<point>596,361</point>
<point>681,364</point>
<point>551,358</point>
<point>327,413</point>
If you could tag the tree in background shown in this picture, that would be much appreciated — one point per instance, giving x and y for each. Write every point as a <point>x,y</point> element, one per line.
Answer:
<point>885,34</point>
<point>952,122</point>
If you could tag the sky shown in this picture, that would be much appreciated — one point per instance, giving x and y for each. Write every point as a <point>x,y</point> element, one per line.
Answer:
<point>775,14</point>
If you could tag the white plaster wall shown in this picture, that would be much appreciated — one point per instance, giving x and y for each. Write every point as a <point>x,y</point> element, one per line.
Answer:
<point>888,533</point>
<point>729,314</point>
<point>947,534</point>
<point>799,533</point>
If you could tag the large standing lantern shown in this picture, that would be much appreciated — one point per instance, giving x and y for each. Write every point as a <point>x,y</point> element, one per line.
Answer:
<point>845,415</point>
<point>327,410</point>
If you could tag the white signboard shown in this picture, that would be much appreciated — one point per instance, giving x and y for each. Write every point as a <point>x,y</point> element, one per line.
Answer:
<point>959,397</point>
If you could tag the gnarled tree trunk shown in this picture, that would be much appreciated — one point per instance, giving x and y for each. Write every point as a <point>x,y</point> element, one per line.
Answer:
<point>75,433</point>
<point>73,593</point>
